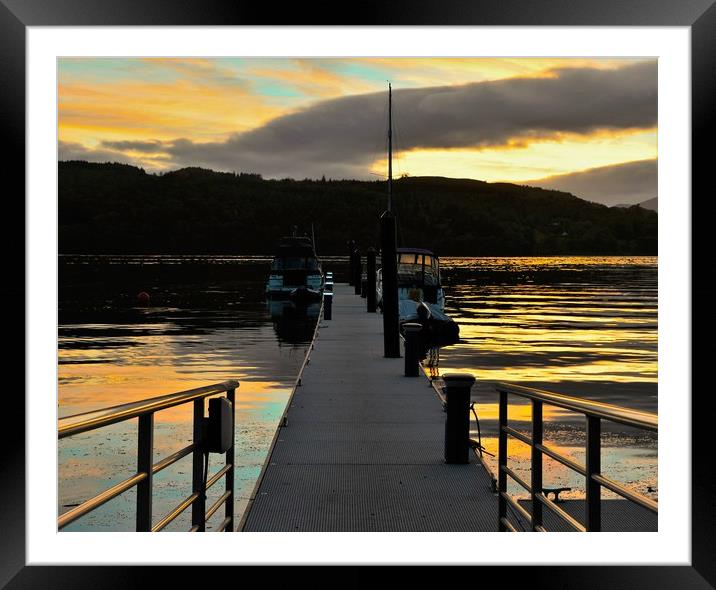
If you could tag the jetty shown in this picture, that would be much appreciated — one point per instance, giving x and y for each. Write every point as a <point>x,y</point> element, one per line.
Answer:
<point>361,447</point>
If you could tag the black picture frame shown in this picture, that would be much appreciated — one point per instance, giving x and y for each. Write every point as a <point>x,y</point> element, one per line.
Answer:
<point>17,15</point>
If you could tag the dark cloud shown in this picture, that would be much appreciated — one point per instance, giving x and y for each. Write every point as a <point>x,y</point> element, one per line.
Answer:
<point>147,147</point>
<point>622,184</point>
<point>76,151</point>
<point>342,137</point>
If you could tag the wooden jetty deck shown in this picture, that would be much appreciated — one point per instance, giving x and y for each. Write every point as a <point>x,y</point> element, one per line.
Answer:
<point>363,449</point>
<point>363,446</point>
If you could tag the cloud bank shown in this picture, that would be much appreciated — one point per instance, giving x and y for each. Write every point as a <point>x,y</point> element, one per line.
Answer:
<point>622,184</point>
<point>343,137</point>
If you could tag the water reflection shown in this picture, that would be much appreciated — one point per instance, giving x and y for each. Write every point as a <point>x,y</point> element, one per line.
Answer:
<point>294,323</point>
<point>207,322</point>
<point>580,326</point>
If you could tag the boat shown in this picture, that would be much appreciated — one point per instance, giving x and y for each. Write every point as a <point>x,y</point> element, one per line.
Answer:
<point>421,297</point>
<point>295,272</point>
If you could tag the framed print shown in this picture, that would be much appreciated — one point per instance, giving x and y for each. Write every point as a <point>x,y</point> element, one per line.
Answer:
<point>465,195</point>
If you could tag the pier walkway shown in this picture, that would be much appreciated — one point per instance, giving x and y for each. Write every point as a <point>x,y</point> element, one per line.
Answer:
<point>362,449</point>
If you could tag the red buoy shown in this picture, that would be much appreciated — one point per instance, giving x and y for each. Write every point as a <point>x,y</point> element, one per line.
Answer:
<point>143,298</point>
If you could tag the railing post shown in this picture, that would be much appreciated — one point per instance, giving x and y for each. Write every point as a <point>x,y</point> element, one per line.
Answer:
<point>370,279</point>
<point>412,337</point>
<point>502,462</point>
<point>389,255</point>
<point>457,420</point>
<point>327,305</point>
<point>198,507</point>
<point>145,452</point>
<point>230,460</point>
<point>536,483</point>
<point>593,467</point>
<point>358,272</point>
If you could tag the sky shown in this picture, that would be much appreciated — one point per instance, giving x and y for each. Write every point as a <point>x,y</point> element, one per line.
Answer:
<point>582,125</point>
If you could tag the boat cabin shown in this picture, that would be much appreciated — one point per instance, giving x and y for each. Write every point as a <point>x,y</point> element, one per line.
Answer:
<point>295,265</point>
<point>419,269</point>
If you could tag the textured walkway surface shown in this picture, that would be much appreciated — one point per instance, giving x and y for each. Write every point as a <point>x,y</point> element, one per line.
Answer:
<point>363,449</point>
<point>363,446</point>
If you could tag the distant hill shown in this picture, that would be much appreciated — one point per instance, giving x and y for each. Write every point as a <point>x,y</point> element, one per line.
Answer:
<point>116,208</point>
<point>650,204</point>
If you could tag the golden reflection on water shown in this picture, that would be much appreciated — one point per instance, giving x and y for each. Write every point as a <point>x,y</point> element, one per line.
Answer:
<point>554,319</point>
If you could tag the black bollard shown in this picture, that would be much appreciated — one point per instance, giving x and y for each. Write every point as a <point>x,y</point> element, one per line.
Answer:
<point>363,287</point>
<point>327,305</point>
<point>370,294</point>
<point>412,339</point>
<point>358,272</point>
<point>389,256</point>
<point>457,421</point>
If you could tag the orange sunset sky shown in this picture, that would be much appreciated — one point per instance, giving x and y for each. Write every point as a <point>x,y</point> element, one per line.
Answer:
<point>588,126</point>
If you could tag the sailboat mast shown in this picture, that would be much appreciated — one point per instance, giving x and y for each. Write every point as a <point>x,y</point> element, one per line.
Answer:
<point>390,148</point>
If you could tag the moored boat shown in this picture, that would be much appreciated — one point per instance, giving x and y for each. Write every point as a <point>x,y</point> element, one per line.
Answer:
<point>295,271</point>
<point>421,297</point>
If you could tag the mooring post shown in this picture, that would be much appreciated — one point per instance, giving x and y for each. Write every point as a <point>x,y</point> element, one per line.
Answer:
<point>412,338</point>
<point>328,305</point>
<point>457,421</point>
<point>351,261</point>
<point>389,257</point>
<point>358,270</point>
<point>370,279</point>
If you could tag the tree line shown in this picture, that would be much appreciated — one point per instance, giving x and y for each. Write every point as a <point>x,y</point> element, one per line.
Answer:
<point>116,208</point>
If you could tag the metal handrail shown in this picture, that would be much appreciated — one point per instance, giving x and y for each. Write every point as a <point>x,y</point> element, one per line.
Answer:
<point>595,412</point>
<point>144,410</point>
<point>86,421</point>
<point>611,412</point>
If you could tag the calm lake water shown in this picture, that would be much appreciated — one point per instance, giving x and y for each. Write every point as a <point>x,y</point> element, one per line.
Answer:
<point>582,326</point>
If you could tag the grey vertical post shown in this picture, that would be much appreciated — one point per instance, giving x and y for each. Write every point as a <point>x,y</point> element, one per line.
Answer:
<point>412,341</point>
<point>536,483</point>
<point>358,271</point>
<point>230,460</point>
<point>198,508</point>
<point>327,305</point>
<point>145,452</point>
<point>370,278</point>
<point>457,421</point>
<point>391,335</point>
<point>593,467</point>
<point>502,463</point>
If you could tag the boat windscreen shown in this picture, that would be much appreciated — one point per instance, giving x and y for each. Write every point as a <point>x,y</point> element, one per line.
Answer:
<point>294,263</point>
<point>417,269</point>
